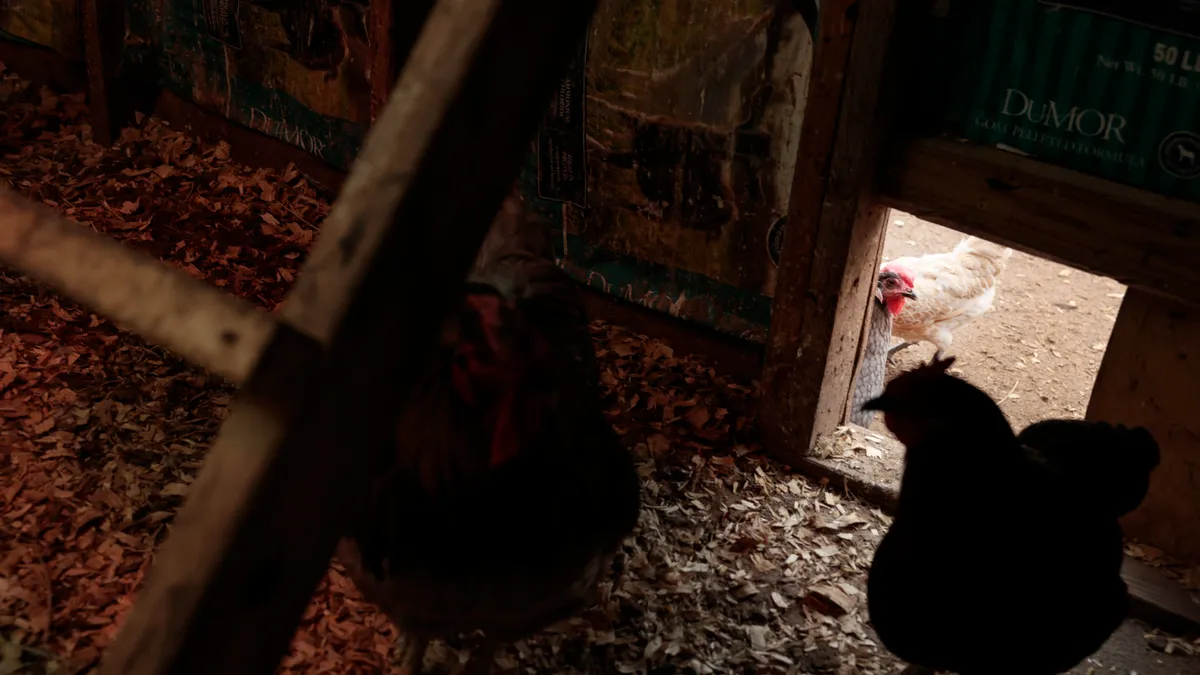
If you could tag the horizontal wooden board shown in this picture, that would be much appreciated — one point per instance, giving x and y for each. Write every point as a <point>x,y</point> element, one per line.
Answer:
<point>1136,237</point>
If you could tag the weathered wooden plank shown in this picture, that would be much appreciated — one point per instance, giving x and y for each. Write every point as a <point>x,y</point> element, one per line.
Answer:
<point>382,73</point>
<point>392,30</point>
<point>1148,377</point>
<point>839,457</point>
<point>103,39</point>
<point>158,302</point>
<point>1136,237</point>
<point>1160,601</point>
<point>821,294</point>
<point>871,229</point>
<point>259,526</point>
<point>781,430</point>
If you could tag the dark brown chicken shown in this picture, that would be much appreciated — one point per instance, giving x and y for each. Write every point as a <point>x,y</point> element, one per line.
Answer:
<point>1001,558</point>
<point>892,289</point>
<point>507,492</point>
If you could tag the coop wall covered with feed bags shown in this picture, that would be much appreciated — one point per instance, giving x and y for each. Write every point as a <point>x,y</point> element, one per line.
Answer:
<point>668,152</point>
<point>54,24</point>
<point>665,162</point>
<point>292,69</point>
<point>1099,86</point>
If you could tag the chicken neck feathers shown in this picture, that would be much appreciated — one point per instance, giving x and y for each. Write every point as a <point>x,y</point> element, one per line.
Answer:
<point>873,370</point>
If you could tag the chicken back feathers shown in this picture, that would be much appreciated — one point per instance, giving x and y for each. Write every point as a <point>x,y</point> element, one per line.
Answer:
<point>993,563</point>
<point>952,290</point>
<point>453,538</point>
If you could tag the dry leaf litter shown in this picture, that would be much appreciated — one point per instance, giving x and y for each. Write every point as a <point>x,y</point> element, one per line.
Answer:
<point>736,567</point>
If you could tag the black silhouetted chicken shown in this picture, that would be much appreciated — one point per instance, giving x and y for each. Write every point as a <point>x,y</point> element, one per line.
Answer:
<point>1002,558</point>
<point>507,492</point>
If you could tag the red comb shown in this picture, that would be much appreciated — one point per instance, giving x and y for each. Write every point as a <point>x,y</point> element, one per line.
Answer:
<point>903,272</point>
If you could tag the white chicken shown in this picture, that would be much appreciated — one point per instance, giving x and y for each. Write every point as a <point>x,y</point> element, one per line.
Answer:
<point>952,289</point>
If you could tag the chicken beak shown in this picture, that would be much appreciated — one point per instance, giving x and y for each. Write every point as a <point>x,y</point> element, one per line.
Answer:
<point>910,294</point>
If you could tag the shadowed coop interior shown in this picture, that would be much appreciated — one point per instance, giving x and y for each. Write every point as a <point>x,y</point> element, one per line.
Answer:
<point>680,140</point>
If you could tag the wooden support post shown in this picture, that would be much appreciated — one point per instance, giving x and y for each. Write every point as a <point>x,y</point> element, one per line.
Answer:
<point>383,67</point>
<point>1149,377</point>
<point>257,531</point>
<point>883,214</point>
<point>833,231</point>
<point>392,29</point>
<point>103,39</point>
<point>382,72</point>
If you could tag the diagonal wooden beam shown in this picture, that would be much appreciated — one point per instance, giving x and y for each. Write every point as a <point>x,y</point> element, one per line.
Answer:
<point>257,531</point>
<point>162,304</point>
<point>166,307</point>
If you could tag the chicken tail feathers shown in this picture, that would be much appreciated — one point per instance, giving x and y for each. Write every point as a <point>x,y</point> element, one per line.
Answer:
<point>984,248</point>
<point>1136,454</point>
<point>1112,461</point>
<point>1143,449</point>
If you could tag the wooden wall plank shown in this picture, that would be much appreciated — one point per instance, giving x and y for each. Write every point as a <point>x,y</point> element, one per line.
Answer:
<point>1131,235</point>
<point>1159,601</point>
<point>260,524</point>
<point>1149,377</point>
<point>382,74</point>
<point>830,243</point>
<point>846,291</point>
<point>393,29</point>
<point>103,39</point>
<point>875,228</point>
<point>786,436</point>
